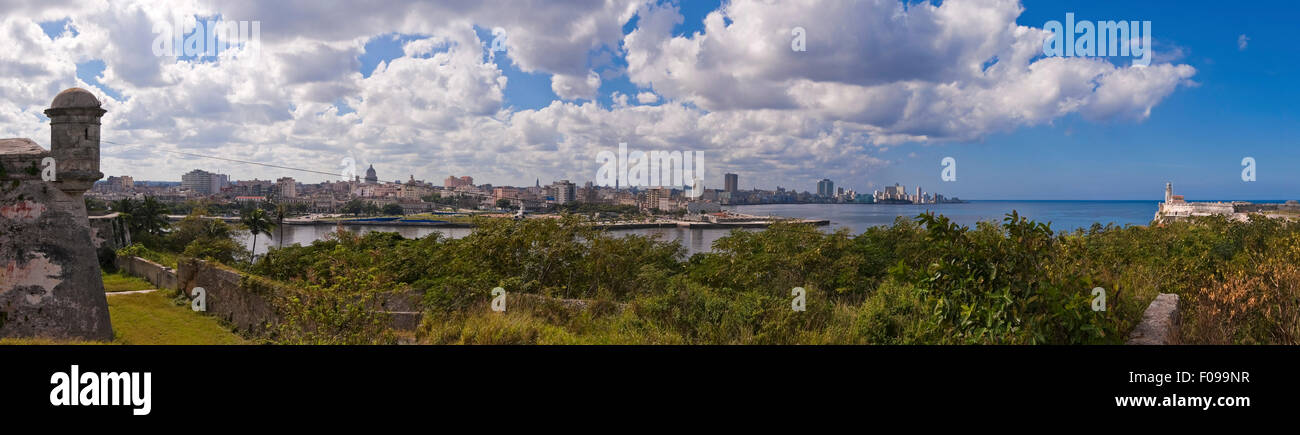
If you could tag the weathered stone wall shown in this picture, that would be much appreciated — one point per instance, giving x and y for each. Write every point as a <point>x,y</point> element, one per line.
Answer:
<point>109,231</point>
<point>1160,322</point>
<point>161,276</point>
<point>249,311</point>
<point>50,284</point>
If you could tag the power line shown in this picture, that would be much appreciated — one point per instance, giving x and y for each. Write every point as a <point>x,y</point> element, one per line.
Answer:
<point>237,161</point>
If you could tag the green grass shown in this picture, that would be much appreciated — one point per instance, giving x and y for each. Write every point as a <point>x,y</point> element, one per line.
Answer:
<point>152,318</point>
<point>121,282</point>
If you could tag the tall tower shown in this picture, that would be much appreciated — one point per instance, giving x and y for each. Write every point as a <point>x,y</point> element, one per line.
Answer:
<point>74,140</point>
<point>1169,192</point>
<point>50,283</point>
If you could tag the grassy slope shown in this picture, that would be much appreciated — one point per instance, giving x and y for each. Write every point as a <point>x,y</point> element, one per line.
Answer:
<point>121,282</point>
<point>152,318</point>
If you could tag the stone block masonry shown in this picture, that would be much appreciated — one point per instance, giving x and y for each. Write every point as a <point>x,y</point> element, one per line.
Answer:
<point>50,284</point>
<point>1160,322</point>
<point>163,277</point>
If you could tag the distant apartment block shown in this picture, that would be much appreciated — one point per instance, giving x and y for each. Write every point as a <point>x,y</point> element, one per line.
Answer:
<point>564,192</point>
<point>204,182</point>
<point>288,187</point>
<point>453,182</point>
<point>123,184</point>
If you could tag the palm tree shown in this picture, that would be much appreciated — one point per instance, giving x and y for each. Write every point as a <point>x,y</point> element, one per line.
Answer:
<point>151,216</point>
<point>257,222</point>
<point>280,212</point>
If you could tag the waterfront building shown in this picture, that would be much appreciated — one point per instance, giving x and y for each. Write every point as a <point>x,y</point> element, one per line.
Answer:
<point>1175,207</point>
<point>731,182</point>
<point>204,182</point>
<point>288,188</point>
<point>825,188</point>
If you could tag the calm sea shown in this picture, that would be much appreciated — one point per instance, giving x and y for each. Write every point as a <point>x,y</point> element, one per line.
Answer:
<point>1063,216</point>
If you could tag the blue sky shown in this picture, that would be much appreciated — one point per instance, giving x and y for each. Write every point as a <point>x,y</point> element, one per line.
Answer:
<point>867,111</point>
<point>1245,105</point>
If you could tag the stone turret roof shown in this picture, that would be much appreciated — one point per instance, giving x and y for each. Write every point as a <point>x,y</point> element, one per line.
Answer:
<point>20,146</point>
<point>74,97</point>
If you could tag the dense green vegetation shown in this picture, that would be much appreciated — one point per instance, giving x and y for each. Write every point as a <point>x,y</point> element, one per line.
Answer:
<point>922,280</point>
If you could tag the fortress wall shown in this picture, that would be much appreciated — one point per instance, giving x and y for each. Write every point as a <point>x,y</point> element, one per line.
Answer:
<point>109,231</point>
<point>50,284</point>
<point>161,276</point>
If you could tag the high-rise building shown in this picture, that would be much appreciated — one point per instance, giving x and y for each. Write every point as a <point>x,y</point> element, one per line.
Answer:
<point>731,182</point>
<point>657,198</point>
<point>897,192</point>
<point>288,187</point>
<point>825,188</point>
<point>564,191</point>
<point>204,182</point>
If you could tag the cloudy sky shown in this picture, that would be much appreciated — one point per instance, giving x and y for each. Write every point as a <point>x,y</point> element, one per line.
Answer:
<point>511,91</point>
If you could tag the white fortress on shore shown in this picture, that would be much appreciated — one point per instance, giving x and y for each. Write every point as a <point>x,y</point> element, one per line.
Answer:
<point>1175,207</point>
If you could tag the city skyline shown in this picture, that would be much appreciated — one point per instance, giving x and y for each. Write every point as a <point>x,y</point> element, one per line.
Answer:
<point>201,177</point>
<point>513,106</point>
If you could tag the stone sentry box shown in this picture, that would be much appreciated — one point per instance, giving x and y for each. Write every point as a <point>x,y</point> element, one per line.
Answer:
<point>50,284</point>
